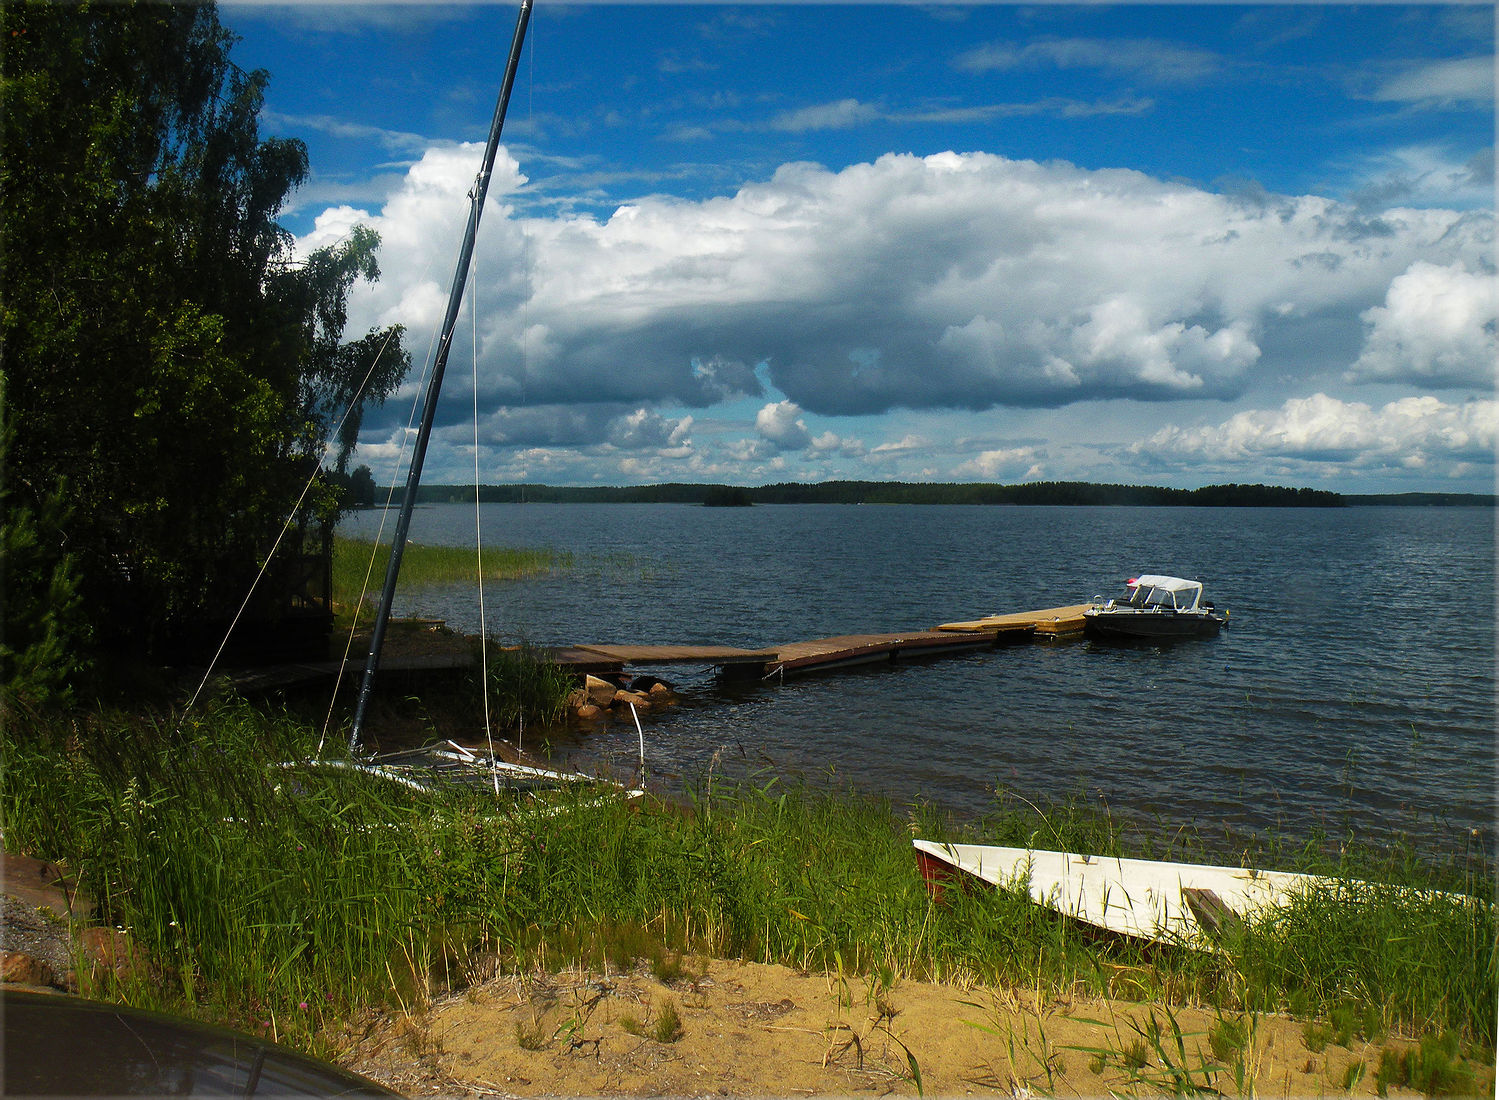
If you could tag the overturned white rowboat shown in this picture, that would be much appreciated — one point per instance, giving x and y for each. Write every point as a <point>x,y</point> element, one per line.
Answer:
<point>1186,903</point>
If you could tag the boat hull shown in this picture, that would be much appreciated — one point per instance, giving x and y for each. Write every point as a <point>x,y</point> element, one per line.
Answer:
<point>1131,897</point>
<point>1153,625</point>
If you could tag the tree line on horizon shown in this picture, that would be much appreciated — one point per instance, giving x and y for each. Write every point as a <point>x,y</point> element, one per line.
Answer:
<point>889,492</point>
<point>900,492</point>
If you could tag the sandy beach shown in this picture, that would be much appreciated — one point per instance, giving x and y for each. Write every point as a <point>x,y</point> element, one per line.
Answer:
<point>748,1030</point>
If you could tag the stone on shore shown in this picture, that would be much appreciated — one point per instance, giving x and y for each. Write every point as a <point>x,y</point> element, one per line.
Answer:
<point>600,692</point>
<point>599,697</point>
<point>19,969</point>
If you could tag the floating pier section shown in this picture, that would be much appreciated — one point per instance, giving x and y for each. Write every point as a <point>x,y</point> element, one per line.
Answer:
<point>821,654</point>
<point>788,659</point>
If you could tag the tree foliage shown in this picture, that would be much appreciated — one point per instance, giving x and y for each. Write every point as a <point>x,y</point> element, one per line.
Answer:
<point>357,489</point>
<point>44,620</point>
<point>166,359</point>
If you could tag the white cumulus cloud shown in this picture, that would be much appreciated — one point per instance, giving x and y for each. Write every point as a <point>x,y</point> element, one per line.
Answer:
<point>1437,324</point>
<point>949,281</point>
<point>1410,431</point>
<point>1002,464</point>
<point>956,281</point>
<point>1438,83</point>
<point>644,429</point>
<point>781,425</point>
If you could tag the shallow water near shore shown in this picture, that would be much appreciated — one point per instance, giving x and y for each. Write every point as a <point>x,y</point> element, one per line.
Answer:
<point>1352,693</point>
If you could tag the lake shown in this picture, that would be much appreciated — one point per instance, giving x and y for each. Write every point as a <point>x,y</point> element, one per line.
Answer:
<point>1352,692</point>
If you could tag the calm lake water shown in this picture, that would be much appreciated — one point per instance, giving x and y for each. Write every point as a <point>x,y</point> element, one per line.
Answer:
<point>1352,692</point>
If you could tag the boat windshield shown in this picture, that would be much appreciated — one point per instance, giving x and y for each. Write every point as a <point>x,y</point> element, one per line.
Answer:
<point>1161,596</point>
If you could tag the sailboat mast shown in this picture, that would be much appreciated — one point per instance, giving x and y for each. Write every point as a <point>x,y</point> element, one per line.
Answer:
<point>434,381</point>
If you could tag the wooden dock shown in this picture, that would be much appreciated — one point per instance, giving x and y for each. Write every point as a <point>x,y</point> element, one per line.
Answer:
<point>788,659</point>
<point>616,657</point>
<point>820,654</point>
<point>1051,621</point>
<point>861,649</point>
<point>262,678</point>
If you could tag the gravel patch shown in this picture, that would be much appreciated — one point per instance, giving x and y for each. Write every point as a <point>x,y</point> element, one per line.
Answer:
<point>27,930</point>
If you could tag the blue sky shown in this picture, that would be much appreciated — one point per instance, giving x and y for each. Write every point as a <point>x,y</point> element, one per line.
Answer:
<point>1165,244</point>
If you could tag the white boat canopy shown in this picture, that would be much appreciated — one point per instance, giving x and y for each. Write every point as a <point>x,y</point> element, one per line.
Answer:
<point>1151,591</point>
<point>1166,584</point>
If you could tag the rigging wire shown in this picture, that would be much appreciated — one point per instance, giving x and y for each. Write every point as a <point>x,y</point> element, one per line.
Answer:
<point>429,407</point>
<point>281,535</point>
<point>355,402</point>
<point>473,313</point>
<point>429,363</point>
<point>525,304</point>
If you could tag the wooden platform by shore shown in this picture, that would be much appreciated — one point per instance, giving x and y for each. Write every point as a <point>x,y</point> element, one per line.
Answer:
<point>819,654</point>
<point>780,661</point>
<point>1050,621</point>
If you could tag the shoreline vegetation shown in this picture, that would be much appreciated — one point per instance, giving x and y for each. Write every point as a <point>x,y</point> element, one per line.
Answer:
<point>345,915</point>
<point>1064,493</point>
<point>173,377</point>
<point>291,900</point>
<point>359,565</point>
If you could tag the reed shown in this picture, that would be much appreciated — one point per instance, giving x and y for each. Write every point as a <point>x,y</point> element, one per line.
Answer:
<point>359,566</point>
<point>526,687</point>
<point>526,690</point>
<point>284,899</point>
<point>262,896</point>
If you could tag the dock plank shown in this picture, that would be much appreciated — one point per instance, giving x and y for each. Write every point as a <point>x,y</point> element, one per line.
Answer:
<point>1051,620</point>
<point>581,659</point>
<point>681,654</point>
<point>276,677</point>
<point>790,658</point>
<point>850,649</point>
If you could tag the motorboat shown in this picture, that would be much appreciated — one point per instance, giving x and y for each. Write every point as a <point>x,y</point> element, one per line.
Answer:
<point>1156,607</point>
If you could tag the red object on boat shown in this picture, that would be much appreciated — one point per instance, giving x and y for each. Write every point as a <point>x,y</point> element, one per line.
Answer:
<point>937,874</point>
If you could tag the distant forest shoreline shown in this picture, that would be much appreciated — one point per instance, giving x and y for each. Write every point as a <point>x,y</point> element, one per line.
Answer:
<point>897,492</point>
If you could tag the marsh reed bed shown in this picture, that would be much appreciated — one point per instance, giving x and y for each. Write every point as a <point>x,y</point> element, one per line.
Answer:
<point>523,686</point>
<point>285,900</point>
<point>359,565</point>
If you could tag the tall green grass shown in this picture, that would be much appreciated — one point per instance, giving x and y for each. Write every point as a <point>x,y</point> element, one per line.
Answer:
<point>526,687</point>
<point>259,893</point>
<point>285,899</point>
<point>359,566</point>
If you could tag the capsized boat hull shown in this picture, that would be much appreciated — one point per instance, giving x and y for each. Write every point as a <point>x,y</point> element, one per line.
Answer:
<point>1173,902</point>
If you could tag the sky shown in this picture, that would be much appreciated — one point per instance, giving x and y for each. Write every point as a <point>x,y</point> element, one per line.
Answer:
<point>1166,244</point>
